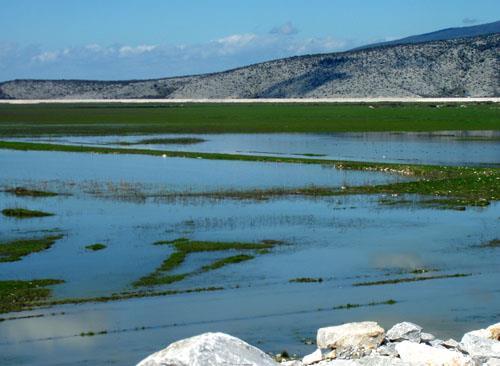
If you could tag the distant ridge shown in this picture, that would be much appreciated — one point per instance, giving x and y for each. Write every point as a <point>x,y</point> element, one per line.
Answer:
<point>463,67</point>
<point>442,35</point>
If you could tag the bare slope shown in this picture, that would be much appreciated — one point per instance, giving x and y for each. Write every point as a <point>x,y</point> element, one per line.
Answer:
<point>450,68</point>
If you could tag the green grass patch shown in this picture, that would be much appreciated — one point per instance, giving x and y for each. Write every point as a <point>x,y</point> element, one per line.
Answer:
<point>22,213</point>
<point>99,119</point>
<point>95,247</point>
<point>410,279</point>
<point>20,295</point>
<point>184,246</point>
<point>226,261</point>
<point>165,141</point>
<point>15,250</point>
<point>306,280</point>
<point>26,192</point>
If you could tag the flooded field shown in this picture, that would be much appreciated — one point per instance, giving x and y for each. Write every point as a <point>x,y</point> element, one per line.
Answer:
<point>437,148</point>
<point>279,267</point>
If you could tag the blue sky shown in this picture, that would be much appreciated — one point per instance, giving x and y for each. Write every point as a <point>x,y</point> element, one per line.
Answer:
<point>111,39</point>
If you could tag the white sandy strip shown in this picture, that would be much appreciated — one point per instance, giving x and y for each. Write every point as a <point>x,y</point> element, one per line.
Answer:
<point>270,100</point>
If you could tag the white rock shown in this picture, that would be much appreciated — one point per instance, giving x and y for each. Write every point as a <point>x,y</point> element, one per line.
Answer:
<point>314,357</point>
<point>388,349</point>
<point>479,344</point>
<point>494,331</point>
<point>436,342</point>
<point>381,361</point>
<point>355,339</point>
<point>493,362</point>
<point>404,331</point>
<point>450,343</point>
<point>422,354</point>
<point>292,363</point>
<point>427,337</point>
<point>338,363</point>
<point>209,349</point>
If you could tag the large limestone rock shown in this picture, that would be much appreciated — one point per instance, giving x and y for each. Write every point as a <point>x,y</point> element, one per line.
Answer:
<point>209,349</point>
<point>480,345</point>
<point>351,340</point>
<point>422,354</point>
<point>404,331</point>
<point>314,357</point>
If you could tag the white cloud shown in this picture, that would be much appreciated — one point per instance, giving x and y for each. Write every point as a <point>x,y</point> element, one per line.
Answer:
<point>285,29</point>
<point>138,50</point>
<point>47,56</point>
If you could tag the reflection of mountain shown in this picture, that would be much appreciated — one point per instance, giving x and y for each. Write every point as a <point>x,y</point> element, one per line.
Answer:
<point>459,67</point>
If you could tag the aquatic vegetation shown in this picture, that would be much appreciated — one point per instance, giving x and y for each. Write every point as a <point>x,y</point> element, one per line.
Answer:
<point>26,192</point>
<point>410,279</point>
<point>14,250</point>
<point>95,247</point>
<point>185,246</point>
<point>495,243</point>
<point>18,295</point>
<point>22,213</point>
<point>165,141</point>
<point>306,280</point>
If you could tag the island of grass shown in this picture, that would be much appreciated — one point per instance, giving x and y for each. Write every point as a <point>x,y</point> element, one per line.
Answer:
<point>165,141</point>
<point>26,192</point>
<point>23,213</point>
<point>183,247</point>
<point>20,295</point>
<point>95,247</point>
<point>12,251</point>
<point>446,187</point>
<point>306,280</point>
<point>411,279</point>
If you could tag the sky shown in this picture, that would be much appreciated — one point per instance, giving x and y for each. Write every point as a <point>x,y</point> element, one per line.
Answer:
<point>140,39</point>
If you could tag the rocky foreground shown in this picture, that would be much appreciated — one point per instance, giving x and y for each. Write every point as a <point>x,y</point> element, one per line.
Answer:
<point>351,344</point>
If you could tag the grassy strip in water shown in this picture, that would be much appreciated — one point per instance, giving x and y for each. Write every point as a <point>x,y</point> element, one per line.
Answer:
<point>183,247</point>
<point>226,261</point>
<point>26,192</point>
<point>495,243</point>
<point>373,303</point>
<point>165,141</point>
<point>14,250</point>
<point>22,213</point>
<point>19,295</point>
<point>306,280</point>
<point>460,186</point>
<point>95,247</point>
<point>101,119</point>
<point>411,279</point>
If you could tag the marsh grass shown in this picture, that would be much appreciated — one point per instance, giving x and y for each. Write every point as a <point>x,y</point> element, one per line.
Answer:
<point>96,247</point>
<point>306,280</point>
<point>18,295</point>
<point>184,246</point>
<point>410,279</point>
<point>23,213</point>
<point>165,141</point>
<point>495,243</point>
<point>15,250</point>
<point>26,192</point>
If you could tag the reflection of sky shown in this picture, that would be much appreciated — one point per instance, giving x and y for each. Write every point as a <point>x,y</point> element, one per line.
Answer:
<point>444,147</point>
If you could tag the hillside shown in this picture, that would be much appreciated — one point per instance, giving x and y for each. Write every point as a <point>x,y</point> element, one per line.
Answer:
<point>458,67</point>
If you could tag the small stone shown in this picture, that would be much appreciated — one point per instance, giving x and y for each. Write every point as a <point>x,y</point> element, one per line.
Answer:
<point>416,353</point>
<point>388,349</point>
<point>436,342</point>
<point>405,331</point>
<point>314,357</point>
<point>426,337</point>
<point>450,343</point>
<point>494,331</point>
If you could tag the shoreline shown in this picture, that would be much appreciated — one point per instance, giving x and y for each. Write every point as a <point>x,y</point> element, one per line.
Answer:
<point>256,101</point>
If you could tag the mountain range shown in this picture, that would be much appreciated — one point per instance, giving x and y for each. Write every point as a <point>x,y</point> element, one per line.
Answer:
<point>455,62</point>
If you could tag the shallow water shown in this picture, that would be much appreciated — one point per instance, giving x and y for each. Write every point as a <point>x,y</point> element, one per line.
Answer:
<point>343,240</point>
<point>437,148</point>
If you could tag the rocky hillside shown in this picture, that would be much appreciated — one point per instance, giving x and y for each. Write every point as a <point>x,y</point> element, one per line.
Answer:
<point>459,67</point>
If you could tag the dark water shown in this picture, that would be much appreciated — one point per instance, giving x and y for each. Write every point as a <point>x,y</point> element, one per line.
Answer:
<point>343,240</point>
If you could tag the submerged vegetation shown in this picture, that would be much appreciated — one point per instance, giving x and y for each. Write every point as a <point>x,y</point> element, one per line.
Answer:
<point>183,247</point>
<point>26,192</point>
<point>411,279</point>
<point>22,213</point>
<point>306,280</point>
<point>165,141</point>
<point>95,247</point>
<point>15,250</point>
<point>19,295</point>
